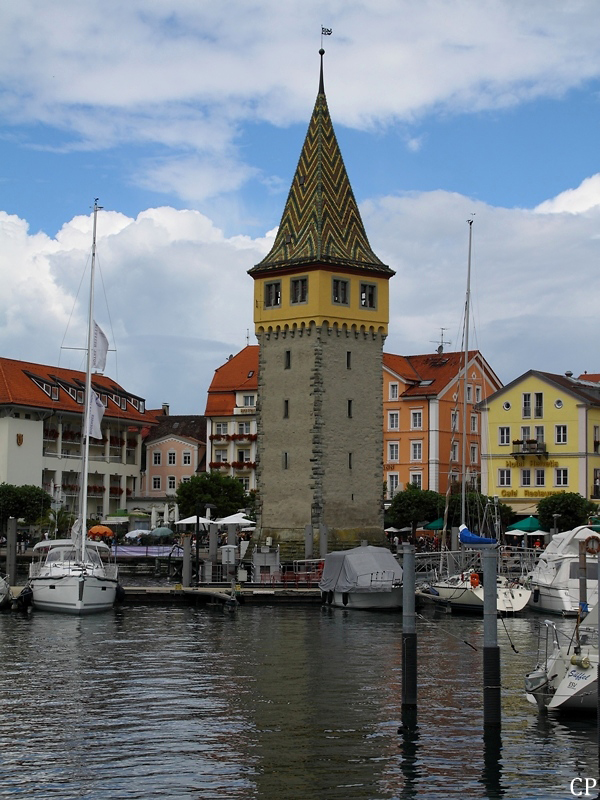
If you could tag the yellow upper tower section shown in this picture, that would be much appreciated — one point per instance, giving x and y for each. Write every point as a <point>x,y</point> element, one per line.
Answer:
<point>321,268</point>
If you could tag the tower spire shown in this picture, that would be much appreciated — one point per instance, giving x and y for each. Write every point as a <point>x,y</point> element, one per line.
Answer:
<point>321,224</point>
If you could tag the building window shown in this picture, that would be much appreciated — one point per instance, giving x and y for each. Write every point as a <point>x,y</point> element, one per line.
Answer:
<point>243,455</point>
<point>561,476</point>
<point>286,461</point>
<point>526,405</point>
<point>156,482</point>
<point>416,478</point>
<point>172,482</point>
<point>474,453</point>
<point>540,477</point>
<point>287,363</point>
<point>393,451</point>
<point>249,400</point>
<point>504,434</point>
<point>526,477</point>
<point>171,458</point>
<point>416,420</point>
<point>245,481</point>
<point>525,432</point>
<point>478,394</point>
<point>416,451</point>
<point>243,427</point>
<point>560,434</point>
<point>454,420</point>
<point>393,420</point>
<point>469,393</point>
<point>299,290</point>
<point>221,456</point>
<point>286,409</point>
<point>349,408</point>
<point>392,484</point>
<point>187,458</point>
<point>368,295</point>
<point>186,479</point>
<point>348,359</point>
<point>349,460</point>
<point>273,294</point>
<point>503,477</point>
<point>221,428</point>
<point>393,391</point>
<point>539,405</point>
<point>340,293</point>
<point>454,451</point>
<point>156,458</point>
<point>474,423</point>
<point>539,434</point>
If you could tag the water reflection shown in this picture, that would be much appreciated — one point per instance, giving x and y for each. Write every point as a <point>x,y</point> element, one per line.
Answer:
<point>301,703</point>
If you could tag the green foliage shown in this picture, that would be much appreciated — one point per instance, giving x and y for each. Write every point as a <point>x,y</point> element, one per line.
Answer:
<point>29,503</point>
<point>573,510</point>
<point>414,505</point>
<point>225,493</point>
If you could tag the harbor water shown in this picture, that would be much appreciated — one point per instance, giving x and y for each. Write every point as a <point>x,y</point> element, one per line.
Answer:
<point>271,702</point>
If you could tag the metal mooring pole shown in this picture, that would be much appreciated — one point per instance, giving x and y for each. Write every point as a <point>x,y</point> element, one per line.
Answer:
<point>409,628</point>
<point>492,714</point>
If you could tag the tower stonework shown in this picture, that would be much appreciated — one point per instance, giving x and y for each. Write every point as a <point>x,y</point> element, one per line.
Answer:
<point>321,308</point>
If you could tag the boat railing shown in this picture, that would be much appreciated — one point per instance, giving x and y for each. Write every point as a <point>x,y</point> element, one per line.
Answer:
<point>515,563</point>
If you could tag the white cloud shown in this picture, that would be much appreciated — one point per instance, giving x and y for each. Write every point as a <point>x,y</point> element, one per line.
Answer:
<point>185,75</point>
<point>574,201</point>
<point>180,300</point>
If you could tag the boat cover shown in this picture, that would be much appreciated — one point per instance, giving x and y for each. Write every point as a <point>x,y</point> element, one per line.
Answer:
<point>472,540</point>
<point>362,569</point>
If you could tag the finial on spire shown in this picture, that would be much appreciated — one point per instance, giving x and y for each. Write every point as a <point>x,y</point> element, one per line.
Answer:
<point>321,81</point>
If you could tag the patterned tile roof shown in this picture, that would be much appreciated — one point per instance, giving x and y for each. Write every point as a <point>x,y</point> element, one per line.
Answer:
<point>240,372</point>
<point>321,224</point>
<point>30,385</point>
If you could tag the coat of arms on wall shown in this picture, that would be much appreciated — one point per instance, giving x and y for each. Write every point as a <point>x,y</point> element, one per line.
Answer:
<point>19,439</point>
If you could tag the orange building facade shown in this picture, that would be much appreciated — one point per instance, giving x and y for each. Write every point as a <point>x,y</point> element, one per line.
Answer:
<point>425,417</point>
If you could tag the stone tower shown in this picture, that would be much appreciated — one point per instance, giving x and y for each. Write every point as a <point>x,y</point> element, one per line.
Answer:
<point>321,309</point>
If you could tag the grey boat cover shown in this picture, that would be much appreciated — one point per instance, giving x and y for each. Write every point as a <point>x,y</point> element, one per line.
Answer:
<point>362,569</point>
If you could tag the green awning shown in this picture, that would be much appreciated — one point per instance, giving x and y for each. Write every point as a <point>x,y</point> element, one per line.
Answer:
<point>436,525</point>
<point>527,525</point>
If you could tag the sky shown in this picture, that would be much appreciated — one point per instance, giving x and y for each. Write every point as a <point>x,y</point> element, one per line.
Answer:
<point>186,118</point>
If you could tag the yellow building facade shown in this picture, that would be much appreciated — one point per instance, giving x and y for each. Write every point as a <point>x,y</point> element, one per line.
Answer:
<point>541,436</point>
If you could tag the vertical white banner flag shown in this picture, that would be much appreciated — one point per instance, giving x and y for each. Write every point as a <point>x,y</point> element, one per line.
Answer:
<point>99,348</point>
<point>96,412</point>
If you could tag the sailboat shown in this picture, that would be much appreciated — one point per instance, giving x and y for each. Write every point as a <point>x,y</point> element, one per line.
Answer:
<point>461,589</point>
<point>75,575</point>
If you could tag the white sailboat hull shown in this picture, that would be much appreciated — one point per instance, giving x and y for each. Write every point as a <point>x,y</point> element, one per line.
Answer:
<point>458,594</point>
<point>73,594</point>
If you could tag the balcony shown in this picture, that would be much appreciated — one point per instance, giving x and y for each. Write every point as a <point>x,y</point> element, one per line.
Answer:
<point>524,447</point>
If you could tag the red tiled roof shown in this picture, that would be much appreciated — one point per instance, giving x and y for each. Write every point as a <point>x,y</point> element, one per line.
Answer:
<point>439,368</point>
<point>21,385</point>
<point>237,374</point>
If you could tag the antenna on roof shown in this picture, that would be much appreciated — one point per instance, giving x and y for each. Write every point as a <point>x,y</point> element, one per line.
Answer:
<point>440,348</point>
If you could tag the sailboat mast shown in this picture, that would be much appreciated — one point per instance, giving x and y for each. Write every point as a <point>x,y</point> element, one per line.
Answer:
<point>463,494</point>
<point>88,390</point>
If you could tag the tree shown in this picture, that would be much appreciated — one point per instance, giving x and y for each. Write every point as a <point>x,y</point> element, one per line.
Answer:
<point>225,493</point>
<point>571,507</point>
<point>414,505</point>
<point>34,503</point>
<point>29,503</point>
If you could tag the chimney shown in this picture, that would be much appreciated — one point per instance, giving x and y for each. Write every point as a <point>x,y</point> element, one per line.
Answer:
<point>165,409</point>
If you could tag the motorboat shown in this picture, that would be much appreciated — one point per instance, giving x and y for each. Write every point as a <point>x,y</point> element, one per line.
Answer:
<point>458,583</point>
<point>66,579</point>
<point>556,577</point>
<point>365,577</point>
<point>5,593</point>
<point>70,576</point>
<point>566,675</point>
